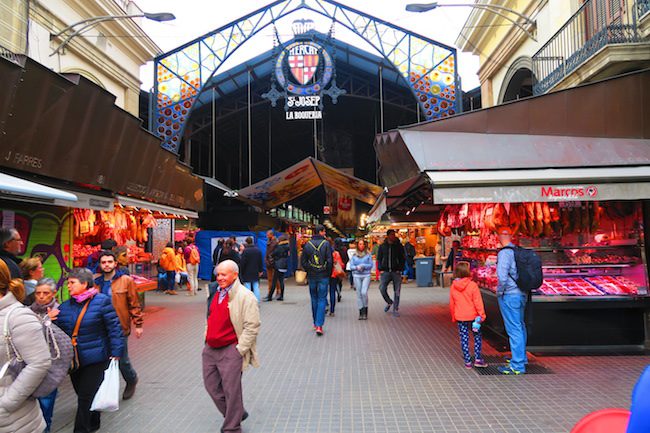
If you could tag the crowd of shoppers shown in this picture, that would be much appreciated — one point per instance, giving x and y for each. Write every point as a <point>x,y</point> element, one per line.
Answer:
<point>104,308</point>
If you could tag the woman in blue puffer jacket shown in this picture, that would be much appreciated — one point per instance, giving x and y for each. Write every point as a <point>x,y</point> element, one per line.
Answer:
<point>99,340</point>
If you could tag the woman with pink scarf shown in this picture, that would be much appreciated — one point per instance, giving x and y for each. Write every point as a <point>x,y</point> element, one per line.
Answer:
<point>99,340</point>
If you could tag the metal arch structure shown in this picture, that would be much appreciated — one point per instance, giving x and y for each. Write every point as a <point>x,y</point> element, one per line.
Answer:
<point>427,66</point>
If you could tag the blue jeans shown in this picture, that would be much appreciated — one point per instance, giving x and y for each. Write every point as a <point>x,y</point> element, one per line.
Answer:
<point>362,282</point>
<point>409,271</point>
<point>47,406</point>
<point>171,275</point>
<point>254,286</point>
<point>128,373</point>
<point>385,278</point>
<point>318,292</point>
<point>512,309</point>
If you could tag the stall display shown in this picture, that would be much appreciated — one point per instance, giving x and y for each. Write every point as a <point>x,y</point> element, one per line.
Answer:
<point>124,225</point>
<point>593,260</point>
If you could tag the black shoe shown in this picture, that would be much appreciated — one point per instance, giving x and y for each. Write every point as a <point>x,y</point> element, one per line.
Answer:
<point>338,298</point>
<point>243,418</point>
<point>365,313</point>
<point>268,299</point>
<point>129,390</point>
<point>361,314</point>
<point>279,299</point>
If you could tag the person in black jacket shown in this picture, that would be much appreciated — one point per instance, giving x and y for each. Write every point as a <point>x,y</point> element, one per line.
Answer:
<point>251,267</point>
<point>280,257</point>
<point>100,339</point>
<point>390,260</point>
<point>316,260</point>
<point>11,244</point>
<point>229,253</point>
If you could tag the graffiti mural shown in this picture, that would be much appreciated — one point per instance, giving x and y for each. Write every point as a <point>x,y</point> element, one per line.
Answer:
<point>47,233</point>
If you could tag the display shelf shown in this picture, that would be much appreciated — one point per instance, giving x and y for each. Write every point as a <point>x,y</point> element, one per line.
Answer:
<point>559,248</point>
<point>595,266</point>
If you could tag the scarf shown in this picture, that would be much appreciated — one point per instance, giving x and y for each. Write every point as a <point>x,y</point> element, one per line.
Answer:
<point>42,309</point>
<point>80,298</point>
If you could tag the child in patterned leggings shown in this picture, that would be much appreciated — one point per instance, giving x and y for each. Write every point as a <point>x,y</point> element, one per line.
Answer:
<point>466,304</point>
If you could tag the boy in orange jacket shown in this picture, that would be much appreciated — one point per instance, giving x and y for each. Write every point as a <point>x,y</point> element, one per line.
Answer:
<point>466,307</point>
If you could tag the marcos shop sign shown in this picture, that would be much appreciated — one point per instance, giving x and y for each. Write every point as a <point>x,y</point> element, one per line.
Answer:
<point>541,193</point>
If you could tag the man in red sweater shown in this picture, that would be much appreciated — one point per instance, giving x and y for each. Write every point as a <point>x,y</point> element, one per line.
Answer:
<point>230,343</point>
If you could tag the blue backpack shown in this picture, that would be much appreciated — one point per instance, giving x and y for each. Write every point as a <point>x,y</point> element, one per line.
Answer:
<point>529,269</point>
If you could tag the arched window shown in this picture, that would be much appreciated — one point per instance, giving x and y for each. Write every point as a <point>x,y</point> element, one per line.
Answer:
<point>519,80</point>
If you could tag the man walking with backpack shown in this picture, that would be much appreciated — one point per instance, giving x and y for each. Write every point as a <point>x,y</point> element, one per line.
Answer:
<point>316,260</point>
<point>512,301</point>
<point>390,260</point>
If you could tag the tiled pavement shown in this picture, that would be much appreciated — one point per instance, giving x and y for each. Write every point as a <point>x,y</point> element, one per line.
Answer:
<point>384,375</point>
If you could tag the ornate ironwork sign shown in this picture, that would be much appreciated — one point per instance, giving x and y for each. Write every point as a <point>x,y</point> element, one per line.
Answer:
<point>303,70</point>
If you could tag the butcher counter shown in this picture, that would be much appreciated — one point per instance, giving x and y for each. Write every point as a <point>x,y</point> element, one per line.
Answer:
<point>579,324</point>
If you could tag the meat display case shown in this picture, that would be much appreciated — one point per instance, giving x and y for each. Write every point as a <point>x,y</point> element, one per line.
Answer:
<point>593,297</point>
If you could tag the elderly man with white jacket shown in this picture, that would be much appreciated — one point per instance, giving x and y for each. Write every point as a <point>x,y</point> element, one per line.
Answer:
<point>230,343</point>
<point>20,413</point>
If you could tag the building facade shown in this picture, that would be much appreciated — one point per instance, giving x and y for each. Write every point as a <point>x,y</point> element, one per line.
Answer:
<point>109,54</point>
<point>565,43</point>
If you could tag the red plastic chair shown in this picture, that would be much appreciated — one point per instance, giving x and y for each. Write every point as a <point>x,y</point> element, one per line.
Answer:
<point>603,421</point>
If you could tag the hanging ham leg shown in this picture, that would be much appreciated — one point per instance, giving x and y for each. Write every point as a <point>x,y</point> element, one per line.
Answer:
<point>530,218</point>
<point>539,220</point>
<point>546,211</point>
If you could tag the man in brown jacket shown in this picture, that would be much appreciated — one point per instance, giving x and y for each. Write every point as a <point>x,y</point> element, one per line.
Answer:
<point>271,243</point>
<point>121,288</point>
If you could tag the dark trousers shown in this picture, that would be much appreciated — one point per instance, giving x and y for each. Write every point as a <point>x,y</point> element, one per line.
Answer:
<point>278,279</point>
<point>86,381</point>
<point>128,373</point>
<point>334,286</point>
<point>222,370</point>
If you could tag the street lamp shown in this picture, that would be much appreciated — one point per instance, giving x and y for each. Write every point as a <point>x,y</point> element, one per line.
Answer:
<point>495,9</point>
<point>90,22</point>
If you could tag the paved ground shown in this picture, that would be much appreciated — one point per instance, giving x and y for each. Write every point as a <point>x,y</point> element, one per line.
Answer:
<point>383,375</point>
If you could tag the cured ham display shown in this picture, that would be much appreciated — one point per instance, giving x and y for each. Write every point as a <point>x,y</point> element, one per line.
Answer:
<point>121,225</point>
<point>535,219</point>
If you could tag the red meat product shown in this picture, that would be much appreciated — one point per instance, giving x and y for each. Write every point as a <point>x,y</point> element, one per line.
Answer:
<point>514,217</point>
<point>500,216</point>
<point>523,227</point>
<point>453,219</point>
<point>539,220</point>
<point>546,211</point>
<point>443,228</point>
<point>474,216</point>
<point>530,218</point>
<point>488,218</point>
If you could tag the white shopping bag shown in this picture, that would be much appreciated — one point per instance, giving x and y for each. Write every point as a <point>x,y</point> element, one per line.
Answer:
<point>107,398</point>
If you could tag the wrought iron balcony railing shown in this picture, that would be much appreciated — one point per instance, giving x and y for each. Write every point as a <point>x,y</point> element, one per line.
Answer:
<point>642,7</point>
<point>596,24</point>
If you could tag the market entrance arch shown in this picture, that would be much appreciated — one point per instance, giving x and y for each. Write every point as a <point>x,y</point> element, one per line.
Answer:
<point>427,66</point>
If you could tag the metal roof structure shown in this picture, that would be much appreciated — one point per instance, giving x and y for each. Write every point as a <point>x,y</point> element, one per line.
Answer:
<point>426,66</point>
<point>236,78</point>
